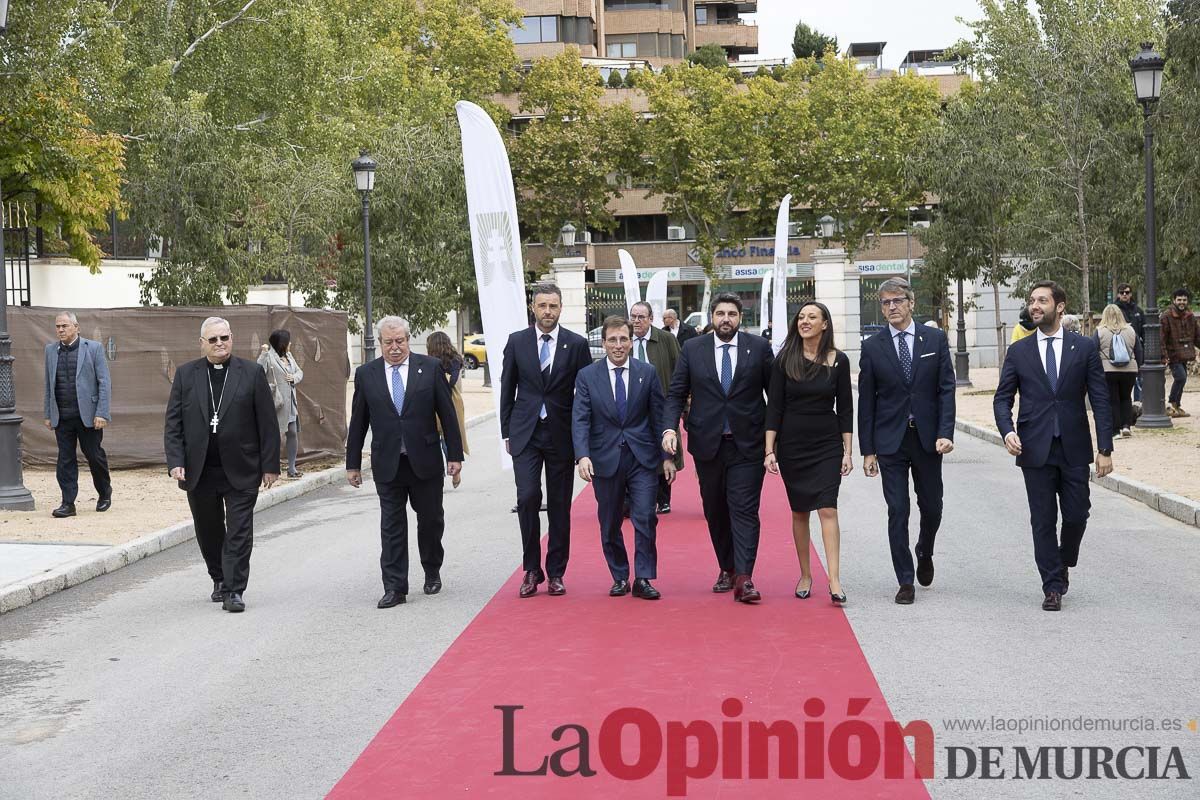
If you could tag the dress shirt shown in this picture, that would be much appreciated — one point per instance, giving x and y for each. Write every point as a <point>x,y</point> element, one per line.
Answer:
<point>637,344</point>
<point>537,344</point>
<point>1058,343</point>
<point>911,330</point>
<point>719,353</point>
<point>612,377</point>
<point>387,374</point>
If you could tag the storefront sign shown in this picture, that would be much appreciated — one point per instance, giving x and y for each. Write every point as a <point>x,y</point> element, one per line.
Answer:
<point>896,266</point>
<point>646,274</point>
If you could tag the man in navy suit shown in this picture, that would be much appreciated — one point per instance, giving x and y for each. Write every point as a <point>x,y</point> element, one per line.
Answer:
<point>617,416</point>
<point>906,424</point>
<point>537,387</point>
<point>1053,371</point>
<point>727,375</point>
<point>401,397</point>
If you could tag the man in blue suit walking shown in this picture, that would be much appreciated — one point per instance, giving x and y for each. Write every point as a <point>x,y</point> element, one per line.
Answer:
<point>906,424</point>
<point>1053,371</point>
<point>618,412</point>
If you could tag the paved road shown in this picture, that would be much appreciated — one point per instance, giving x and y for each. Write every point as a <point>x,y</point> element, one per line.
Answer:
<point>133,686</point>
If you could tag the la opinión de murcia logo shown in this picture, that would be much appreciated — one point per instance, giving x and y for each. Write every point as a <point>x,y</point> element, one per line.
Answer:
<point>852,749</point>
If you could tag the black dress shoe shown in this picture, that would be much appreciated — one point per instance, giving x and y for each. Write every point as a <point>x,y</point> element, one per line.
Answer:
<point>218,593</point>
<point>530,583</point>
<point>433,585</point>
<point>924,570</point>
<point>663,508</point>
<point>391,598</point>
<point>724,582</point>
<point>296,474</point>
<point>1053,602</point>
<point>65,510</point>
<point>555,587</point>
<point>619,589</point>
<point>906,595</point>
<point>233,602</point>
<point>744,590</point>
<point>104,503</point>
<point>643,589</point>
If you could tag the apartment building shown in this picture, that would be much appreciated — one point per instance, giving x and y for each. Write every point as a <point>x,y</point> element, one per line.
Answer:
<point>656,31</point>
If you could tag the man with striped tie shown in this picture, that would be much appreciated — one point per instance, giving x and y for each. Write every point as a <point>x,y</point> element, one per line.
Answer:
<point>537,388</point>
<point>401,397</point>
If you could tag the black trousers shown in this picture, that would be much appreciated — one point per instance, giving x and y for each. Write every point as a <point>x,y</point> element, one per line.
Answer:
<point>1179,376</point>
<point>69,432</point>
<point>394,499</point>
<point>926,469</point>
<point>1120,396</point>
<point>557,458</point>
<point>1048,488</point>
<point>224,519</point>
<point>637,483</point>
<point>730,491</point>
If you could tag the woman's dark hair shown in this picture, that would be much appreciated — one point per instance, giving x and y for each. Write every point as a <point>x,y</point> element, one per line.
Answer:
<point>791,357</point>
<point>280,340</point>
<point>440,347</point>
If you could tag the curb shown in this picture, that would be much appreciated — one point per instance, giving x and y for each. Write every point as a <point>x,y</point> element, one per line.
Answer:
<point>1175,506</point>
<point>73,573</point>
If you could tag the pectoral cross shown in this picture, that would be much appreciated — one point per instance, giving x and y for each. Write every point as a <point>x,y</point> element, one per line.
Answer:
<point>215,421</point>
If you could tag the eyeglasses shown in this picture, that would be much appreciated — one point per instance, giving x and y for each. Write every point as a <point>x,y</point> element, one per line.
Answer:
<point>638,316</point>
<point>223,338</point>
<point>894,302</point>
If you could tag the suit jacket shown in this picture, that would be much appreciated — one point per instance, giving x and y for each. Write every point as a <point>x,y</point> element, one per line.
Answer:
<point>686,333</point>
<point>885,399</point>
<point>598,430</point>
<point>426,401</point>
<point>247,436</point>
<point>523,389</point>
<point>92,385</point>
<point>745,407</point>
<point>1079,374</point>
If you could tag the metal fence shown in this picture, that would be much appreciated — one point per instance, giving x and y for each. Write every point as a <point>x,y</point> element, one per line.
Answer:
<point>16,267</point>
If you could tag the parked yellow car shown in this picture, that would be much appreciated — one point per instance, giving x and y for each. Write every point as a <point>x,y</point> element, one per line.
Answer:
<point>474,352</point>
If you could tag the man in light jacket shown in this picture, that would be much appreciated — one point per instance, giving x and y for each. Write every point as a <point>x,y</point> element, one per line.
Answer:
<point>76,400</point>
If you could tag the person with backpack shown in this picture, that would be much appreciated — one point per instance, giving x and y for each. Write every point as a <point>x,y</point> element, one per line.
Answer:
<point>1119,355</point>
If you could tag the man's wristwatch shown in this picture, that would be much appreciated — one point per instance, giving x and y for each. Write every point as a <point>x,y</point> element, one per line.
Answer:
<point>1105,453</point>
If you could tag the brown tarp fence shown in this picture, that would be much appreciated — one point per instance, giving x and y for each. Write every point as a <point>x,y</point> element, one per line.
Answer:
<point>145,345</point>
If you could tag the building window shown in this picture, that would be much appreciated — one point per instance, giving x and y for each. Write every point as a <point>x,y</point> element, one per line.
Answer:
<point>619,49</point>
<point>537,29</point>
<point>643,5</point>
<point>701,15</point>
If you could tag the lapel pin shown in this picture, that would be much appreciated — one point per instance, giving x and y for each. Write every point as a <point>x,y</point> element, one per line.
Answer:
<point>920,338</point>
<point>418,370</point>
<point>639,380</point>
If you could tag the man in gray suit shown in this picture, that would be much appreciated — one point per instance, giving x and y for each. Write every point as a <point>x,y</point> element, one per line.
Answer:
<point>76,409</point>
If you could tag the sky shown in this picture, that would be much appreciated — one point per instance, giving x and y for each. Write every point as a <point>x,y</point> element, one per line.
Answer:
<point>912,25</point>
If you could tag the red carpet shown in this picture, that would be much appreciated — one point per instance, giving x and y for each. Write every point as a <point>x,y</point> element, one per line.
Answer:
<point>575,660</point>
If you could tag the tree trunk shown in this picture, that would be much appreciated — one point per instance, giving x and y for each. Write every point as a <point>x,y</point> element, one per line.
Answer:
<point>1085,318</point>
<point>1001,345</point>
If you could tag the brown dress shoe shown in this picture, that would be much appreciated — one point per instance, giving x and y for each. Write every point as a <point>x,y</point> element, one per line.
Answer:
<point>744,591</point>
<point>555,587</point>
<point>1053,602</point>
<point>906,595</point>
<point>724,582</point>
<point>530,584</point>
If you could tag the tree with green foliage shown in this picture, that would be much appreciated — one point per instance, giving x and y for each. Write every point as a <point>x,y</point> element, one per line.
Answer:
<point>573,159</point>
<point>1067,67</point>
<point>615,81</point>
<point>707,155</point>
<point>809,43</point>
<point>711,56</point>
<point>1178,173</point>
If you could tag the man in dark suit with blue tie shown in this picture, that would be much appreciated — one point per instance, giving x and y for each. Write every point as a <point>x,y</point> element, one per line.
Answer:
<point>1053,371</point>
<point>726,374</point>
<point>906,424</point>
<point>618,414</point>
<point>537,387</point>
<point>401,397</point>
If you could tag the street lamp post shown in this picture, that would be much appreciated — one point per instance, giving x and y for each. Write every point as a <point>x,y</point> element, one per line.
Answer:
<point>1147,84</point>
<point>13,494</point>
<point>364,180</point>
<point>962,358</point>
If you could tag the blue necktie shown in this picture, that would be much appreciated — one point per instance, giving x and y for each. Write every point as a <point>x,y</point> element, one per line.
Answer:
<point>905,356</point>
<point>620,393</point>
<point>544,358</point>
<point>726,378</point>
<point>1052,374</point>
<point>397,391</point>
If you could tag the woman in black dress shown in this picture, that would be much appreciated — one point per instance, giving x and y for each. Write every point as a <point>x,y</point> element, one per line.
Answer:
<point>808,441</point>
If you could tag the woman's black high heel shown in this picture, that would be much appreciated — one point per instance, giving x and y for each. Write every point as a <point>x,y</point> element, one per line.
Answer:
<point>837,599</point>
<point>803,594</point>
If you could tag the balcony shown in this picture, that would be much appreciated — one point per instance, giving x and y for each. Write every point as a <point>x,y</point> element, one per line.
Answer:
<point>743,6</point>
<point>735,35</point>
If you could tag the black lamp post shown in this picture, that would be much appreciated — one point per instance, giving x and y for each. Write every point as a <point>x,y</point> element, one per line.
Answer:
<point>13,494</point>
<point>962,358</point>
<point>364,180</point>
<point>1147,84</point>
